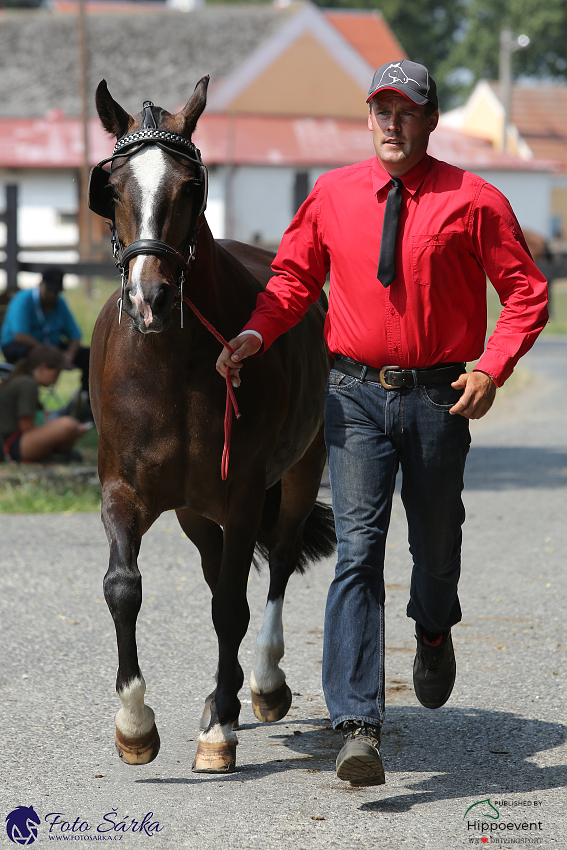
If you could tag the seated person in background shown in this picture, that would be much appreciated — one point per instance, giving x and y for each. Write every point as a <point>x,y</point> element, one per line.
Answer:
<point>41,316</point>
<point>21,438</point>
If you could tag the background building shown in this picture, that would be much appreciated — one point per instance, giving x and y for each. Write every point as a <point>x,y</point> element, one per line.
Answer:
<point>286,103</point>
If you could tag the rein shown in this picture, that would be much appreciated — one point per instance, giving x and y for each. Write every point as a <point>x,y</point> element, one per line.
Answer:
<point>230,397</point>
<point>175,145</point>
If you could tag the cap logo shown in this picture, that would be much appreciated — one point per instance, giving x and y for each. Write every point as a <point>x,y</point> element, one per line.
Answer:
<point>394,73</point>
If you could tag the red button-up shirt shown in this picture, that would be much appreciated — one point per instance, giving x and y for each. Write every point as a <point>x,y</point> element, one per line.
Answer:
<point>454,230</point>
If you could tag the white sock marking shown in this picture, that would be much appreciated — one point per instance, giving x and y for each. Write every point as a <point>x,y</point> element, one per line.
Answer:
<point>134,719</point>
<point>267,676</point>
<point>219,735</point>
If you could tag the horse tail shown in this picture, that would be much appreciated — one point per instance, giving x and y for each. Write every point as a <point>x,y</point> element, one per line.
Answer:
<point>319,539</point>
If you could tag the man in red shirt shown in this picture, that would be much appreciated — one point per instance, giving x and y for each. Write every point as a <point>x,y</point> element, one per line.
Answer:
<point>424,311</point>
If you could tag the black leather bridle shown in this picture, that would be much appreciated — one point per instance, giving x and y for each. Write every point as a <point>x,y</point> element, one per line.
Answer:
<point>101,202</point>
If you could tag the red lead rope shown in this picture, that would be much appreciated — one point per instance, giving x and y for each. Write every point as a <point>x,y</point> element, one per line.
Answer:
<point>230,397</point>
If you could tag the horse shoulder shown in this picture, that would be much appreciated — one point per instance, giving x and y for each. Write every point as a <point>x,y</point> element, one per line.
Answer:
<point>256,260</point>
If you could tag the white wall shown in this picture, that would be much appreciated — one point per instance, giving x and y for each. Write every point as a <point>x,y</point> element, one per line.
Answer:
<point>259,203</point>
<point>42,196</point>
<point>529,193</point>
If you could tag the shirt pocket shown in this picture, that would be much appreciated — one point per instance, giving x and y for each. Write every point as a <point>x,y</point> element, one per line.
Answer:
<point>434,256</point>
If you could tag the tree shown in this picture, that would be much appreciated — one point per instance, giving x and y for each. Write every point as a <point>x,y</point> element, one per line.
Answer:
<point>477,49</point>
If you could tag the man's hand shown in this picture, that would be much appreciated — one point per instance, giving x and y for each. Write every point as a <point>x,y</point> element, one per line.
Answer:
<point>244,345</point>
<point>479,392</point>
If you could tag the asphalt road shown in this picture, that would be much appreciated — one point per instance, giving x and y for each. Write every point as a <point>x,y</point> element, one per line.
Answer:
<point>502,736</point>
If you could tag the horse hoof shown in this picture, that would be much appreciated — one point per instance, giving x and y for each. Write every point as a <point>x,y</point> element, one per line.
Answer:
<point>215,758</point>
<point>272,707</point>
<point>138,750</point>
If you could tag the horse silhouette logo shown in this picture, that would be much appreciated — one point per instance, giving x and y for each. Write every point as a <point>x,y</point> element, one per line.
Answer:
<point>22,824</point>
<point>492,812</point>
<point>394,73</point>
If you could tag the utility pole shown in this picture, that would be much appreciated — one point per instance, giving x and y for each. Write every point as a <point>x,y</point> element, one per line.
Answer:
<point>508,45</point>
<point>85,240</point>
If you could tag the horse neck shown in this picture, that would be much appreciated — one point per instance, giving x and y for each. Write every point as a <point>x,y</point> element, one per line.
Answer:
<point>201,281</point>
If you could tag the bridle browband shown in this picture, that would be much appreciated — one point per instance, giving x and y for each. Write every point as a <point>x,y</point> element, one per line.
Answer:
<point>175,145</point>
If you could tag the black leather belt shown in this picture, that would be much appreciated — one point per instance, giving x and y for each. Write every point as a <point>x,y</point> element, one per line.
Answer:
<point>392,377</point>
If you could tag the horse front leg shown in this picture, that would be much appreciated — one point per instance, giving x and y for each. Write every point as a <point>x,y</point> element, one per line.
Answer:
<point>125,520</point>
<point>216,752</point>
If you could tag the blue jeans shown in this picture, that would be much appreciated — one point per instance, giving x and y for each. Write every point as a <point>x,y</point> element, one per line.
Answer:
<point>370,432</point>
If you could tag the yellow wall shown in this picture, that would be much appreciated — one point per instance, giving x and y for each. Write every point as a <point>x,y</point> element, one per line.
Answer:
<point>484,121</point>
<point>304,80</point>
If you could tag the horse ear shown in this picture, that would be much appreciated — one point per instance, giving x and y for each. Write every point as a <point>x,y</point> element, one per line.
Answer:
<point>192,110</point>
<point>114,119</point>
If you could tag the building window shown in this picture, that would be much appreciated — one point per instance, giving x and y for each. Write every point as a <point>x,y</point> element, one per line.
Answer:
<point>66,218</point>
<point>300,189</point>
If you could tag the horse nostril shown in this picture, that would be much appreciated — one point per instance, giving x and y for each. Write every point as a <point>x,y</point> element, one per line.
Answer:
<point>162,300</point>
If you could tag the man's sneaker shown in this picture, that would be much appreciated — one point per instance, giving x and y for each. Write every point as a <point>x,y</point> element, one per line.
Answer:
<point>359,761</point>
<point>434,669</point>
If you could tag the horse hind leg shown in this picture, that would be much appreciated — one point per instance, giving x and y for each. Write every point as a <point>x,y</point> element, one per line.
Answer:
<point>137,738</point>
<point>271,696</point>
<point>207,536</point>
<point>216,751</point>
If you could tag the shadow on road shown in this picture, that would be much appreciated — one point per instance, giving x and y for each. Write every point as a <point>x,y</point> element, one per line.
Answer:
<point>489,752</point>
<point>510,467</point>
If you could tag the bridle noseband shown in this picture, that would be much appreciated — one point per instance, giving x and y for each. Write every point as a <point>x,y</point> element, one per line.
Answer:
<point>101,203</point>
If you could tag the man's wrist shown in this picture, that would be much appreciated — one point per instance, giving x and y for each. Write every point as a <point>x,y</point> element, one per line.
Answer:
<point>254,333</point>
<point>488,375</point>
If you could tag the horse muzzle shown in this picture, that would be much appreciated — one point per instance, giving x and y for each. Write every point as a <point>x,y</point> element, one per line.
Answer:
<point>149,308</point>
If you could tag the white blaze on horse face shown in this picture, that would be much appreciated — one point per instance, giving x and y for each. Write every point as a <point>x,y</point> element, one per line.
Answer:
<point>267,676</point>
<point>149,167</point>
<point>135,718</point>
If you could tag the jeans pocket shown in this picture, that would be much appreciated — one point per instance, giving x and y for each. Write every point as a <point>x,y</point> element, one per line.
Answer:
<point>440,396</point>
<point>339,381</point>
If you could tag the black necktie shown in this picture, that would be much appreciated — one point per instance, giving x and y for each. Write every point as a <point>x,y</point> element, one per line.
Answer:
<point>387,262</point>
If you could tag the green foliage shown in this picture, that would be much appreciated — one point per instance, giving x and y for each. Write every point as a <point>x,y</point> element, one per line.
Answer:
<point>478,48</point>
<point>32,498</point>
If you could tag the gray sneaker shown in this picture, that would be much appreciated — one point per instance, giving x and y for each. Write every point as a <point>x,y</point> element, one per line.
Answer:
<point>359,761</point>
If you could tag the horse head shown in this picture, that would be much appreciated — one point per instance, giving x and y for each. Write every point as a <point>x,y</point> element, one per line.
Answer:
<point>155,195</point>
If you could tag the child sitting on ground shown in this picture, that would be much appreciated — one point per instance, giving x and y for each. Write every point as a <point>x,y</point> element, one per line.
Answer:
<point>21,438</point>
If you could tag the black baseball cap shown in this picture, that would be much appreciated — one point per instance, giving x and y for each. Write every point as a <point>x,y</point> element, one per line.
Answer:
<point>53,278</point>
<point>409,78</point>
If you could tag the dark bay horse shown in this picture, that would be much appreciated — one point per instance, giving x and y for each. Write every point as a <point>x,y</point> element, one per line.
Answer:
<point>159,406</point>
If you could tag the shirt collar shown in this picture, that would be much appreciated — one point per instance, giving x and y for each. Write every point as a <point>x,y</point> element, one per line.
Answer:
<point>412,180</point>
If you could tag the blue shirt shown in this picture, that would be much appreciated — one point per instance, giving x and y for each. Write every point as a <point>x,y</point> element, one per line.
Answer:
<point>25,316</point>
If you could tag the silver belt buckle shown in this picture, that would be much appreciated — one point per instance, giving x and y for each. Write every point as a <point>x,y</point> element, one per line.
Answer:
<point>385,369</point>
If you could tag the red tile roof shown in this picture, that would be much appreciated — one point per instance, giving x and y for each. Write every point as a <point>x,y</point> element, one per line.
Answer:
<point>245,140</point>
<point>368,33</point>
<point>540,115</point>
